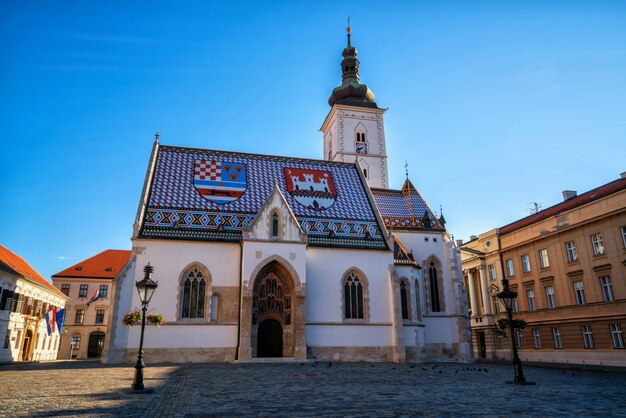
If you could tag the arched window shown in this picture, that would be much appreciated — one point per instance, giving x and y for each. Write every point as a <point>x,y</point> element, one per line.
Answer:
<point>418,307</point>
<point>404,300</point>
<point>275,225</point>
<point>353,300</point>
<point>433,282</point>
<point>193,294</point>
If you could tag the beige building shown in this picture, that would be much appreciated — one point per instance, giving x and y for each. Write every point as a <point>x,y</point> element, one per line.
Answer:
<point>568,265</point>
<point>25,298</point>
<point>90,285</point>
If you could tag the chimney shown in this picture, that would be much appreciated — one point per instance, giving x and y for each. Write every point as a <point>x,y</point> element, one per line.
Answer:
<point>459,242</point>
<point>623,175</point>
<point>473,237</point>
<point>568,194</point>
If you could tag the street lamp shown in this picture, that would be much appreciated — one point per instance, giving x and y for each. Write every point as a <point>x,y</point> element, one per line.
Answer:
<point>146,288</point>
<point>507,296</point>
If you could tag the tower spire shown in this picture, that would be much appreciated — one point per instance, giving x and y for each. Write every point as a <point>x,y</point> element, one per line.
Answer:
<point>351,91</point>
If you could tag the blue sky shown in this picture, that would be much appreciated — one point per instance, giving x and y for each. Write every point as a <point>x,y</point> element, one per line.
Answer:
<point>494,104</point>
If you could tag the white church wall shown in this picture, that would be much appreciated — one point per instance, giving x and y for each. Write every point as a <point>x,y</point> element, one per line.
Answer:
<point>166,343</point>
<point>328,335</point>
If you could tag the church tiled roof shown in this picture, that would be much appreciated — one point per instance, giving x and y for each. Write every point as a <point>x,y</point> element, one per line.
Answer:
<point>401,255</point>
<point>202,194</point>
<point>405,209</point>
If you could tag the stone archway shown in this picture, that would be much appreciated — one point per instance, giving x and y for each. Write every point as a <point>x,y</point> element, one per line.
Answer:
<point>272,296</point>
<point>274,301</point>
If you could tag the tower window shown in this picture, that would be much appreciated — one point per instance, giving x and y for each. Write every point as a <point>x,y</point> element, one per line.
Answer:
<point>365,172</point>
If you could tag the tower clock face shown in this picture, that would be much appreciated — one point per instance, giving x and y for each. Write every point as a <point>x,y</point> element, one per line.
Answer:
<point>361,147</point>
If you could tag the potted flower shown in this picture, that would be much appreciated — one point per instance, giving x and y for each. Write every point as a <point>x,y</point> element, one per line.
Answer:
<point>131,318</point>
<point>155,319</point>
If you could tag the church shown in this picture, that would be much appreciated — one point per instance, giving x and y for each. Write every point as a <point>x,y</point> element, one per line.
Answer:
<point>261,256</point>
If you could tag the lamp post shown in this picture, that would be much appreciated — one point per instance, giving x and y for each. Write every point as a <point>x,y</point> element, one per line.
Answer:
<point>146,288</point>
<point>507,296</point>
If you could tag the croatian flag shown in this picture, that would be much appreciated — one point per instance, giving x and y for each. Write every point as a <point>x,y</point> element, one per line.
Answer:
<point>60,319</point>
<point>94,298</point>
<point>51,320</point>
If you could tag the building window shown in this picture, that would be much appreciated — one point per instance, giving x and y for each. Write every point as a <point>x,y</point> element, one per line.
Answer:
<point>82,293</point>
<point>353,297</point>
<point>7,339</point>
<point>530,297</point>
<point>193,295</point>
<point>404,300</point>
<point>515,305</point>
<point>607,288</point>
<point>570,249</point>
<point>616,335</point>
<point>587,336</point>
<point>492,272</point>
<point>100,316</point>
<point>623,231</point>
<point>544,261</point>
<point>536,338</point>
<point>80,316</point>
<point>435,303</point>
<point>274,225</point>
<point>597,244</point>
<point>76,342</point>
<point>65,288</point>
<point>556,335</point>
<point>519,338</point>
<point>550,299</point>
<point>104,290</point>
<point>579,292</point>
<point>20,304</point>
<point>496,304</point>
<point>525,263</point>
<point>509,268</point>
<point>499,340</point>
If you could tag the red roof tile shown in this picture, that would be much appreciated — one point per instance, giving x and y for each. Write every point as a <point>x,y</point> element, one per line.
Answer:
<point>572,203</point>
<point>105,265</point>
<point>19,266</point>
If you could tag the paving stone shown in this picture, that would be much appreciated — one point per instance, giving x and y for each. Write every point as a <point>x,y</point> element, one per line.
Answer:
<point>310,389</point>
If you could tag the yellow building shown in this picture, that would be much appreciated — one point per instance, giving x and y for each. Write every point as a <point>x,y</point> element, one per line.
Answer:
<point>568,265</point>
<point>85,330</point>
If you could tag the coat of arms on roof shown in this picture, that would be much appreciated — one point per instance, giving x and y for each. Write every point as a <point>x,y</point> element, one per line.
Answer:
<point>219,181</point>
<point>313,189</point>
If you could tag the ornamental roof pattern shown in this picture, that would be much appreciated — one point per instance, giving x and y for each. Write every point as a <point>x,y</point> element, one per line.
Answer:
<point>401,255</point>
<point>405,209</point>
<point>213,195</point>
<point>105,265</point>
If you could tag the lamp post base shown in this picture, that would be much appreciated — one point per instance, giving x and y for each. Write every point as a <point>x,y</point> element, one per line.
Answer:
<point>525,382</point>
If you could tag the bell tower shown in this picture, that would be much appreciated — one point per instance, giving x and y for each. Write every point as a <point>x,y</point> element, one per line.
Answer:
<point>354,127</point>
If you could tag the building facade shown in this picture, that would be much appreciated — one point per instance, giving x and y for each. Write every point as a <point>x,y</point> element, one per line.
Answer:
<point>568,265</point>
<point>85,331</point>
<point>267,256</point>
<point>25,298</point>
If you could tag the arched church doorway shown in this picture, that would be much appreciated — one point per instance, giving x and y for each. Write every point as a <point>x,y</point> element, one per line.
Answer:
<point>270,339</point>
<point>272,329</point>
<point>96,344</point>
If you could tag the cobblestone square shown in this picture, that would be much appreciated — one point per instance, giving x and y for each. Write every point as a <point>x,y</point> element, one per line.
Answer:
<point>307,389</point>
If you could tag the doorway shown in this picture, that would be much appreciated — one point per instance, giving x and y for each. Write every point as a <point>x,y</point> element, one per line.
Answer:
<point>96,344</point>
<point>26,347</point>
<point>481,344</point>
<point>270,339</point>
